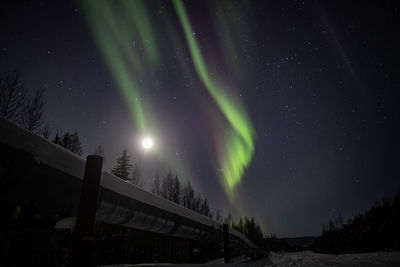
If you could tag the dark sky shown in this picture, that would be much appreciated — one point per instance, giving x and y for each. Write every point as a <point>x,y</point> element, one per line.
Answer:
<point>320,83</point>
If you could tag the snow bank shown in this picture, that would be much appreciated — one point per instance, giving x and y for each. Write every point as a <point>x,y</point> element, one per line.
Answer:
<point>309,258</point>
<point>304,258</point>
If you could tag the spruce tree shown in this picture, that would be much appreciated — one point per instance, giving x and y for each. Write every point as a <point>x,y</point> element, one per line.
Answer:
<point>123,166</point>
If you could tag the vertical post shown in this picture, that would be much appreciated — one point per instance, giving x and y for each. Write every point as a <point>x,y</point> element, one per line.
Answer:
<point>83,232</point>
<point>170,249</point>
<point>227,253</point>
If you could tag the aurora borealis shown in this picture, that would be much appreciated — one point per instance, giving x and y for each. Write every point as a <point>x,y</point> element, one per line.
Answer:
<point>115,25</point>
<point>238,149</point>
<point>282,110</point>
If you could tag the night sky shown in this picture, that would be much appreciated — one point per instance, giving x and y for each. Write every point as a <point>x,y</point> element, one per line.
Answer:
<point>317,83</point>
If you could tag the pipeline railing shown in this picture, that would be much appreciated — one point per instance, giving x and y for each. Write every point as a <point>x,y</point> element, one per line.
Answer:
<point>120,202</point>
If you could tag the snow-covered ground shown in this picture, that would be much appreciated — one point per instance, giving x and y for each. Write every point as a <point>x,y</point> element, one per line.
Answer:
<point>308,258</point>
<point>304,258</point>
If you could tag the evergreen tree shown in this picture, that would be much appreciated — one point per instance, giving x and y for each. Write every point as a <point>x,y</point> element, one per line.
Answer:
<point>218,216</point>
<point>197,202</point>
<point>205,208</point>
<point>240,225</point>
<point>123,166</point>
<point>228,219</point>
<point>57,137</point>
<point>46,131</point>
<point>249,228</point>
<point>375,230</point>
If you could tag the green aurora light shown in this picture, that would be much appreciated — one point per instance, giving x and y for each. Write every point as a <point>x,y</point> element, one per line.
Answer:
<point>120,29</point>
<point>239,148</point>
<point>124,34</point>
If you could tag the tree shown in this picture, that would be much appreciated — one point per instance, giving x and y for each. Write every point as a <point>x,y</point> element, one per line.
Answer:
<point>99,151</point>
<point>228,219</point>
<point>339,221</point>
<point>375,230</point>
<point>11,96</point>
<point>176,193</point>
<point>136,176</point>
<point>249,227</point>
<point>332,226</point>
<point>205,208</point>
<point>188,196</point>
<point>70,142</point>
<point>46,131</point>
<point>57,137</point>
<point>240,225</point>
<point>197,203</point>
<point>167,187</point>
<point>32,112</point>
<point>155,187</point>
<point>123,166</point>
<point>218,216</point>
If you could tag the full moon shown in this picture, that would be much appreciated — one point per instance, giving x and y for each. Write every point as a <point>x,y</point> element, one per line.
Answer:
<point>147,143</point>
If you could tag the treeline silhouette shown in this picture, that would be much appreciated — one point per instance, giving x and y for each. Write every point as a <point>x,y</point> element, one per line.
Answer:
<point>249,227</point>
<point>375,230</point>
<point>26,110</point>
<point>18,106</point>
<point>171,188</point>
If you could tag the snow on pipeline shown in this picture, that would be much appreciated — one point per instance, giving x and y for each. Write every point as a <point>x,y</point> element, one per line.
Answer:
<point>304,258</point>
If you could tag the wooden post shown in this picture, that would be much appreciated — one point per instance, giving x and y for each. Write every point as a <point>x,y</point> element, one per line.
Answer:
<point>227,253</point>
<point>83,232</point>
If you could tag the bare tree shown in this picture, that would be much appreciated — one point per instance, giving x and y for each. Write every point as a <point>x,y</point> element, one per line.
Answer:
<point>137,175</point>
<point>176,193</point>
<point>205,208</point>
<point>155,187</point>
<point>197,202</point>
<point>69,141</point>
<point>11,96</point>
<point>32,112</point>
<point>188,196</point>
<point>46,131</point>
<point>74,144</point>
<point>167,187</point>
